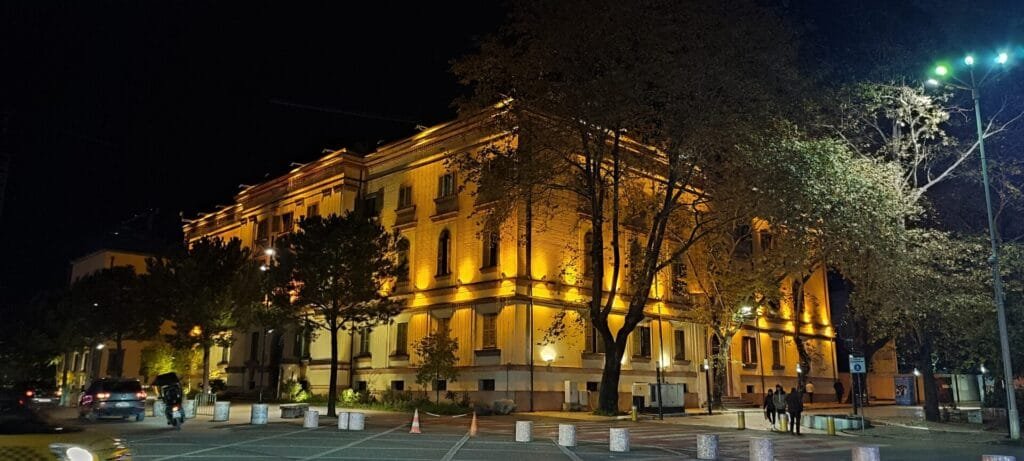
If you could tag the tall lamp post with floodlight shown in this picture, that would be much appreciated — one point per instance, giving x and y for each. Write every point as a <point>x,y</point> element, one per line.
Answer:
<point>270,252</point>
<point>943,75</point>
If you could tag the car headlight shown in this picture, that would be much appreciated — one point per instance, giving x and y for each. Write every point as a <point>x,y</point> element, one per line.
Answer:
<point>69,452</point>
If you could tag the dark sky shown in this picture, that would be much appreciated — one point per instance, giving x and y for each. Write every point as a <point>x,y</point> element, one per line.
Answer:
<point>118,107</point>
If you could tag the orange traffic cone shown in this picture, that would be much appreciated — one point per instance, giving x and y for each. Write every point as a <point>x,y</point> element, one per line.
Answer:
<point>472,426</point>
<point>415,422</point>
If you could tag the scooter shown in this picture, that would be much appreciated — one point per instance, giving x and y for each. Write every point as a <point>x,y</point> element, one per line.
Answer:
<point>171,395</point>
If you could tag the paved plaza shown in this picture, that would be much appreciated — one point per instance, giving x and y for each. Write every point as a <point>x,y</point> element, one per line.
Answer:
<point>387,436</point>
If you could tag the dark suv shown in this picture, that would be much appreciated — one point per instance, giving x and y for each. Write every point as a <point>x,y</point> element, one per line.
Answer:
<point>113,397</point>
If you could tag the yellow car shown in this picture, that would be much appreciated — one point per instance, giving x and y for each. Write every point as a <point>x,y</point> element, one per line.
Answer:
<point>27,436</point>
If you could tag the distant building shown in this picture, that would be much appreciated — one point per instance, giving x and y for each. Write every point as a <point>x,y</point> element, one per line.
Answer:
<point>476,287</point>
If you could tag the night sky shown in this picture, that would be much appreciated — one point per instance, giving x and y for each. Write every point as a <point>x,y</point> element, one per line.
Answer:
<point>115,108</point>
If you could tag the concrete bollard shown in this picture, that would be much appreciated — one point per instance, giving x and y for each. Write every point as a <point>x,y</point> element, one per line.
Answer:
<point>741,420</point>
<point>189,408</point>
<point>618,439</point>
<point>762,449</point>
<point>221,411</point>
<point>356,421</point>
<point>567,435</point>
<point>312,420</point>
<point>159,408</point>
<point>634,414</point>
<point>707,446</point>
<point>830,425</point>
<point>998,458</point>
<point>784,422</point>
<point>524,431</point>
<point>259,413</point>
<point>867,453</point>
<point>343,421</point>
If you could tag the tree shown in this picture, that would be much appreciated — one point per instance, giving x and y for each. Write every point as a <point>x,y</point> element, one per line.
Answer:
<point>208,291</point>
<point>615,100</point>
<point>115,309</point>
<point>437,360</point>
<point>337,268</point>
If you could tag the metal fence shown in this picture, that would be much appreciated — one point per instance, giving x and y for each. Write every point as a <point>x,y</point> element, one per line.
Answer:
<point>204,403</point>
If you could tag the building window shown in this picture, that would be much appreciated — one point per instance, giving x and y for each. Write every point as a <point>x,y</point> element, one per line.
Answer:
<point>486,384</point>
<point>404,197</point>
<point>766,240</point>
<point>679,274</point>
<point>595,345</point>
<point>749,350</point>
<point>262,232</point>
<point>443,326</point>
<point>402,338</point>
<point>303,338</point>
<point>490,249</point>
<point>680,341</point>
<point>398,385</point>
<point>372,203</point>
<point>642,342</point>
<point>313,210</point>
<point>225,354</point>
<point>444,249</point>
<point>744,242</point>
<point>364,341</point>
<point>592,386</point>
<point>490,332</point>
<point>446,185</point>
<point>286,222</point>
<point>588,257</point>
<point>402,248</point>
<point>361,386</point>
<point>777,353</point>
<point>441,385</point>
<point>254,346</point>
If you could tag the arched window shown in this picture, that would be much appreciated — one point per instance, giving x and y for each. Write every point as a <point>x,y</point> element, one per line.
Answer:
<point>402,248</point>
<point>444,253</point>
<point>588,257</point>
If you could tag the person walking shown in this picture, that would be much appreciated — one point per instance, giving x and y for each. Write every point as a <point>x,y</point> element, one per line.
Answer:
<point>838,386</point>
<point>779,401</point>
<point>809,389</point>
<point>769,408</point>
<point>794,406</point>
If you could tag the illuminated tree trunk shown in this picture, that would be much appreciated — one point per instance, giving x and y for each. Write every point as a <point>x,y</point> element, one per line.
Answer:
<point>332,390</point>
<point>206,367</point>
<point>608,398</point>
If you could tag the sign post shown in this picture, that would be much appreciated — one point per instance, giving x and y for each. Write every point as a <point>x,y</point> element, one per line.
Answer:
<point>857,367</point>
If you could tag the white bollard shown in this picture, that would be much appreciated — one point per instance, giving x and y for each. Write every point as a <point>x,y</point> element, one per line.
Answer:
<point>998,458</point>
<point>867,453</point>
<point>159,408</point>
<point>312,420</point>
<point>259,413</point>
<point>189,407</point>
<point>707,446</point>
<point>567,435</point>
<point>618,439</point>
<point>221,411</point>
<point>524,431</point>
<point>343,421</point>
<point>762,449</point>
<point>356,421</point>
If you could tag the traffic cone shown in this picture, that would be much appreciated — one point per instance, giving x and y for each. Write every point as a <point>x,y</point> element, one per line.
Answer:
<point>472,426</point>
<point>415,422</point>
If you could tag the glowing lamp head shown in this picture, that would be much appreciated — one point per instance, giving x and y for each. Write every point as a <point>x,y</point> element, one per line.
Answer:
<point>941,70</point>
<point>917,372</point>
<point>1002,58</point>
<point>969,60</point>
<point>983,369</point>
<point>548,354</point>
<point>931,82</point>
<point>746,310</point>
<point>100,346</point>
<point>799,369</point>
<point>269,252</point>
<point>264,267</point>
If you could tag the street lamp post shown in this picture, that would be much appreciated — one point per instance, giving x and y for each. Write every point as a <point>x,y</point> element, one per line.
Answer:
<point>997,280</point>
<point>270,252</point>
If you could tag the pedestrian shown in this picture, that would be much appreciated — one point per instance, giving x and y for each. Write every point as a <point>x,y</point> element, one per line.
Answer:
<point>795,406</point>
<point>809,389</point>
<point>780,403</point>
<point>769,408</point>
<point>838,386</point>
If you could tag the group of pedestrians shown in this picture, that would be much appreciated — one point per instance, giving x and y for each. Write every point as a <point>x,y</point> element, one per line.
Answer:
<point>778,404</point>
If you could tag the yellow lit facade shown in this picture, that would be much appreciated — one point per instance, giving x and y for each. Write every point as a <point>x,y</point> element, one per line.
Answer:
<point>483,298</point>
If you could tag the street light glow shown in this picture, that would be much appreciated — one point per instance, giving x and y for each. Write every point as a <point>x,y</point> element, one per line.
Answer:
<point>931,82</point>
<point>917,372</point>
<point>1002,58</point>
<point>263,267</point>
<point>941,70</point>
<point>969,60</point>
<point>269,252</point>
<point>100,346</point>
<point>745,310</point>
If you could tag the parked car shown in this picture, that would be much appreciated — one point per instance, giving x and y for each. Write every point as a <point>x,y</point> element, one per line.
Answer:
<point>40,395</point>
<point>25,434</point>
<point>113,397</point>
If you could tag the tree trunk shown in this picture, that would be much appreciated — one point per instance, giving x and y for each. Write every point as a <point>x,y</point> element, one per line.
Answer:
<point>206,367</point>
<point>931,392</point>
<point>65,393</point>
<point>801,348</point>
<point>119,362</point>
<point>608,398</point>
<point>332,386</point>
